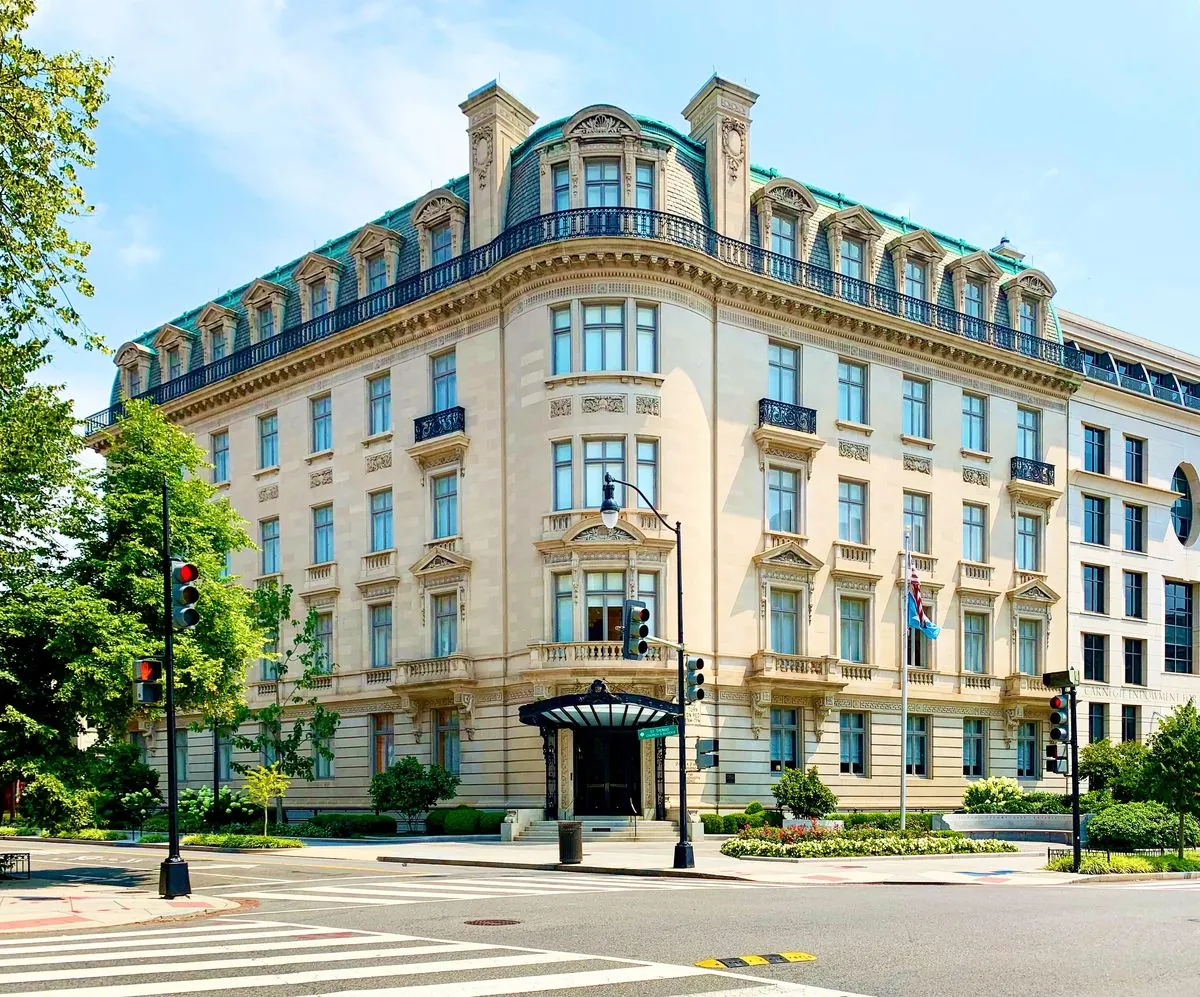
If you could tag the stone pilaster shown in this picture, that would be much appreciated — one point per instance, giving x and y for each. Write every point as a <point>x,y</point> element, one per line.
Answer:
<point>496,122</point>
<point>719,116</point>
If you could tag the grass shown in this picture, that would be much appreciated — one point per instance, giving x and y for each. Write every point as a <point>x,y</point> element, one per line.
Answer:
<point>241,841</point>
<point>1102,865</point>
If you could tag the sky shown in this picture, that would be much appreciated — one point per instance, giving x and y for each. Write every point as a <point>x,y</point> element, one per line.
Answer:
<point>239,134</point>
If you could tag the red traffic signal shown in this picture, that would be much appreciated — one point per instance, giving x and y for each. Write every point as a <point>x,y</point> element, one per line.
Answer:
<point>186,572</point>
<point>147,681</point>
<point>1058,702</point>
<point>147,670</point>
<point>184,594</point>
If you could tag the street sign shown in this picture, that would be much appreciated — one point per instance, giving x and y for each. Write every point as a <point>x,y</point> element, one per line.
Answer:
<point>668,730</point>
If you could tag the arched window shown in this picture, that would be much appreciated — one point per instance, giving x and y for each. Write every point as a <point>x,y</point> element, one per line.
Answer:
<point>1181,511</point>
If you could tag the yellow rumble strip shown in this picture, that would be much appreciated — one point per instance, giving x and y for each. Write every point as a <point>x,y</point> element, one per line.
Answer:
<point>742,961</point>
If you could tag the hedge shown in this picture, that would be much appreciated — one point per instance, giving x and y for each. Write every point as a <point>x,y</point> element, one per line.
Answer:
<point>846,846</point>
<point>352,825</point>
<point>241,841</point>
<point>1102,865</point>
<point>887,820</point>
<point>1129,826</point>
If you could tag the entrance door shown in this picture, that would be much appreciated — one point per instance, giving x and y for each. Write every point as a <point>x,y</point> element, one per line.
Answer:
<point>608,773</point>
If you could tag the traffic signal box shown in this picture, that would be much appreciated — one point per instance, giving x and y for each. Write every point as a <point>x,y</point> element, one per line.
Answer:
<point>185,593</point>
<point>635,628</point>
<point>147,681</point>
<point>1060,736</point>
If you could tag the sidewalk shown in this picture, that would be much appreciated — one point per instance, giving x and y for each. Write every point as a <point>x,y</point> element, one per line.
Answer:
<point>31,906</point>
<point>1023,868</point>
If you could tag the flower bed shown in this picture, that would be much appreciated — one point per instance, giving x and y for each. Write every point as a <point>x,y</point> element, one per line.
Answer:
<point>814,841</point>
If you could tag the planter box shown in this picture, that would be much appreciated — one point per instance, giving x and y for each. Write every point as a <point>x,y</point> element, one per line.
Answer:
<point>830,825</point>
<point>1014,827</point>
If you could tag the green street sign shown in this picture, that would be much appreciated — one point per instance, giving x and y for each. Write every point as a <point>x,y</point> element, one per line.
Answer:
<point>668,730</point>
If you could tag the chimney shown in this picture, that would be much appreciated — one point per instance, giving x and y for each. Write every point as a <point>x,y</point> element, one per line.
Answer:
<point>496,123</point>
<point>719,116</point>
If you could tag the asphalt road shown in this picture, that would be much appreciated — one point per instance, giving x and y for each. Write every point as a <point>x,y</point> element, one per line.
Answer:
<point>882,941</point>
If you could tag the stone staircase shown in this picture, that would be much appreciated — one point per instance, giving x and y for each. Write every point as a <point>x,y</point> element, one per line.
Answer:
<point>606,829</point>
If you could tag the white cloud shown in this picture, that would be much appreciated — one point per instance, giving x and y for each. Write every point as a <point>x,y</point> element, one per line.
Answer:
<point>339,110</point>
<point>136,249</point>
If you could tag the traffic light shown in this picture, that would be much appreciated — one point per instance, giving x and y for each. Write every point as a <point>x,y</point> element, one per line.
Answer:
<point>147,681</point>
<point>184,594</point>
<point>695,679</point>
<point>706,752</point>
<point>635,628</point>
<point>1060,728</point>
<point>1060,680</point>
<point>1056,759</point>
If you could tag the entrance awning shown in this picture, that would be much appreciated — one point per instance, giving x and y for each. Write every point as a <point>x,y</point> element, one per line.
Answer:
<point>599,709</point>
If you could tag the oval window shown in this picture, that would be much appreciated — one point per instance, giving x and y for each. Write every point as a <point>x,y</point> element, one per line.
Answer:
<point>1181,511</point>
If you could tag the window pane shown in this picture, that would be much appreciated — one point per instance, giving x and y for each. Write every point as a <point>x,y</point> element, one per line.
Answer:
<point>1029,433</point>
<point>1178,628</point>
<point>853,729</point>
<point>1135,459</point>
<point>1028,543</point>
<point>381,521</point>
<point>602,457</point>
<point>647,339</point>
<point>268,542</point>
<point>445,624</point>
<point>268,441</point>
<point>321,411</point>
<point>974,642</point>
<point>564,609</point>
<point>381,636</point>
<point>784,621</point>
<point>853,614</point>
<point>647,472</point>
<point>783,490</point>
<point>445,382</point>
<point>782,367</point>
<point>973,533</point>
<point>560,320</point>
<point>322,520</point>
<point>604,595</point>
<point>974,427</point>
<point>916,520</point>
<point>1095,450</point>
<point>379,393</point>
<point>1029,639</point>
<point>562,475</point>
<point>852,501</point>
<point>445,506</point>
<point>220,457</point>
<point>852,380</point>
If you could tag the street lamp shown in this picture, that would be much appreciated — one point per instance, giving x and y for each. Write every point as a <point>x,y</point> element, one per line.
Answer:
<point>609,510</point>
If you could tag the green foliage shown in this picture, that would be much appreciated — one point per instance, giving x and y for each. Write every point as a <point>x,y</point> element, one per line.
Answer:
<point>490,821</point>
<point>115,770</point>
<point>1098,763</point>
<point>1093,802</point>
<point>1129,826</point>
<point>241,840</point>
<point>352,825</point>
<point>90,834</point>
<point>732,823</point>
<point>985,794</point>
<point>435,821</point>
<point>845,846</point>
<point>153,838</point>
<point>754,807</point>
<point>411,789</point>
<point>139,805</point>
<point>50,805</point>
<point>1173,766</point>
<point>1101,865</point>
<point>886,820</point>
<point>264,784</point>
<point>713,823</point>
<point>1042,802</point>
<point>804,794</point>
<point>1122,768</point>
<point>462,820</point>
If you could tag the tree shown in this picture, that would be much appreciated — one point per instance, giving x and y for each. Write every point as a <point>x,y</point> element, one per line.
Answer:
<point>411,789</point>
<point>264,784</point>
<point>1099,763</point>
<point>804,794</point>
<point>1173,771</point>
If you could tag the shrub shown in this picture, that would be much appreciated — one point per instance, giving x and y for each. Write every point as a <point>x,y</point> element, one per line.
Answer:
<point>804,794</point>
<point>1129,826</point>
<point>1041,802</point>
<point>735,822</point>
<point>153,838</point>
<point>773,818</point>
<point>754,807</point>
<point>50,805</point>
<point>886,820</point>
<point>988,795</point>
<point>435,821</point>
<point>352,825</point>
<point>1094,802</point>
<point>713,823</point>
<point>1100,865</point>
<point>411,788</point>
<point>91,834</point>
<point>139,805</point>
<point>115,770</point>
<point>841,845</point>
<point>462,820</point>
<point>490,821</point>
<point>241,841</point>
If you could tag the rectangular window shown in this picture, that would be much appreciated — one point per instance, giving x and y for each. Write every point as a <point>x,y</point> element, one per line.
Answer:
<point>270,753</point>
<point>318,299</point>
<point>920,647</point>
<point>322,527</point>
<point>441,245</point>
<point>647,472</point>
<point>218,345</point>
<point>852,392</point>
<point>852,511</point>
<point>561,185</point>
<point>220,456</point>
<point>1095,449</point>
<point>320,412</point>
<point>135,382</point>
<point>850,259</point>
<point>1095,596</point>
<point>269,662</point>
<point>268,440</point>
<point>785,738</point>
<point>917,749</point>
<point>1178,629</point>
<point>138,740</point>
<point>783,364</point>
<point>1135,527</point>
<point>1027,750</point>
<point>325,642</point>
<point>560,340</point>
<point>266,322</point>
<point>379,400</point>
<point>1135,459</point>
<point>975,646</point>
<point>974,422</point>
<point>602,457</point>
<point>916,408</point>
<point>268,544</point>
<point>974,748</point>
<point>561,456</point>
<point>564,609</point>
<point>1028,317</point>
<point>785,621</point>
<point>445,382</point>
<point>1095,658</point>
<point>647,339</point>
<point>381,636</point>
<point>916,520</point>
<point>852,629</point>
<point>174,364</point>
<point>376,273</point>
<point>322,758</point>
<point>224,759</point>
<point>445,624</point>
<point>1029,543</point>
<point>1095,520</point>
<point>445,506</point>
<point>853,727</point>
<point>1029,646</point>
<point>1130,723</point>
<point>445,740</point>
<point>783,500</point>
<point>1135,661</point>
<point>647,587</point>
<point>383,736</point>
<point>605,594</point>
<point>973,299</point>
<point>783,236</point>
<point>1135,595</point>
<point>974,533</point>
<point>604,337</point>
<point>381,521</point>
<point>602,183</point>
<point>914,279</point>
<point>1029,433</point>
<point>181,755</point>
<point>644,186</point>
<point>1097,722</point>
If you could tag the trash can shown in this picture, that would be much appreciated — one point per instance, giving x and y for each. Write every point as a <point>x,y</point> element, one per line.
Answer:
<point>570,842</point>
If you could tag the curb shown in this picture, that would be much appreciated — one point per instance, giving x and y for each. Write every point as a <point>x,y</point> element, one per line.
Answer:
<point>163,844</point>
<point>590,870</point>
<point>1132,877</point>
<point>851,858</point>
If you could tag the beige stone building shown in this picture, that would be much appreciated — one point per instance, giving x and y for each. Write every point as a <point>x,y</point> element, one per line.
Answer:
<point>416,419</point>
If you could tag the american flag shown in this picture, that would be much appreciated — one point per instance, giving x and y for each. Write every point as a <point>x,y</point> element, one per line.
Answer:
<point>917,617</point>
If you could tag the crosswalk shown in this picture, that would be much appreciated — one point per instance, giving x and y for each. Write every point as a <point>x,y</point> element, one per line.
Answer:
<point>402,890</point>
<point>269,957</point>
<point>1153,884</point>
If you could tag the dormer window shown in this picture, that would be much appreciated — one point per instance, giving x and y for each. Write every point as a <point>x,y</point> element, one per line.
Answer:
<point>217,344</point>
<point>783,235</point>
<point>266,322</point>
<point>1029,318</point>
<point>217,325</point>
<point>133,382</point>
<point>264,301</point>
<point>974,298</point>
<point>1029,293</point>
<point>133,361</point>
<point>439,219</point>
<point>318,299</point>
<point>602,183</point>
<point>376,273</point>
<point>561,186</point>
<point>850,260</point>
<point>174,364</point>
<point>916,284</point>
<point>441,245</point>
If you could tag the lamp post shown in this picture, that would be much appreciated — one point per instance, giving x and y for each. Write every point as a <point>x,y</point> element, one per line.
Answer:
<point>609,511</point>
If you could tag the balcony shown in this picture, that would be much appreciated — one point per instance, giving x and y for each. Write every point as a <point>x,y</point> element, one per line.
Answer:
<point>786,430</point>
<point>1025,469</point>
<point>797,671</point>
<point>1033,481</point>
<point>380,566</point>
<point>1026,687</point>
<point>439,439</point>
<point>591,654</point>
<point>786,416</point>
<point>557,524</point>
<point>321,578</point>
<point>974,682</point>
<point>855,560</point>
<point>454,669</point>
<point>973,574</point>
<point>450,420</point>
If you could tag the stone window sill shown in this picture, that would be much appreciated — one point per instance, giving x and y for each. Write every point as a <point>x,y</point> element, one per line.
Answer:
<point>858,427</point>
<point>222,486</point>
<point>319,457</point>
<point>982,455</point>
<point>592,376</point>
<point>267,472</point>
<point>384,437</point>
<point>917,441</point>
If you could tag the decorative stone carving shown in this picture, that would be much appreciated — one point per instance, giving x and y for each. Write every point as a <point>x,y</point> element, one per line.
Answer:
<point>822,707</point>
<point>600,124</point>
<point>733,142</point>
<point>602,534</point>
<point>481,155</point>
<point>321,477</point>
<point>566,784</point>
<point>559,407</point>
<point>464,702</point>
<point>976,476</point>
<point>603,403</point>
<point>647,405</point>
<point>378,461</point>
<point>760,711</point>
<point>268,493</point>
<point>915,462</point>
<point>1012,720</point>
<point>855,451</point>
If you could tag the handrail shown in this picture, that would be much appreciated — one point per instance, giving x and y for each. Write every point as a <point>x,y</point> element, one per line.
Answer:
<point>590,223</point>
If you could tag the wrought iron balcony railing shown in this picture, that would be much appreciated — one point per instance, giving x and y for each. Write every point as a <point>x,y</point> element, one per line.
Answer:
<point>786,415</point>
<point>590,223</point>
<point>450,420</point>
<point>1024,469</point>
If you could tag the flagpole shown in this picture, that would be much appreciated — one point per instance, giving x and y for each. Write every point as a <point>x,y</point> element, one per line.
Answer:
<point>905,595</point>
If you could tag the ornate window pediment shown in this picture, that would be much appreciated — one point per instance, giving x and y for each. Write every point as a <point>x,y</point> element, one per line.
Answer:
<point>593,533</point>
<point>372,239</point>
<point>1032,287</point>
<point>217,323</point>
<point>858,223</point>
<point>133,361</point>
<point>313,271</point>
<point>171,338</point>
<point>436,209</point>
<point>786,197</point>
<point>923,248</point>
<point>1035,592</point>
<point>437,563</point>
<point>601,121</point>
<point>981,268</point>
<point>263,294</point>
<point>789,559</point>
